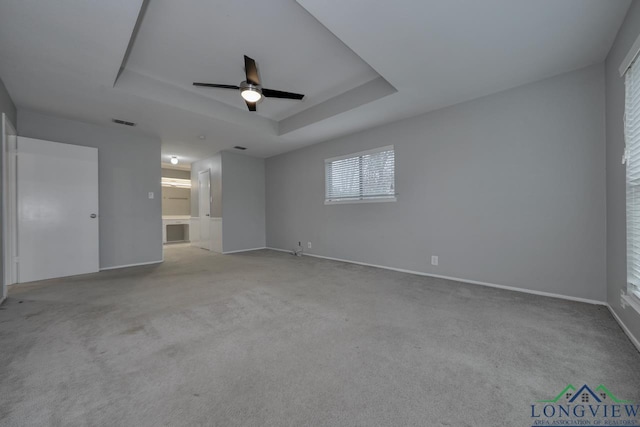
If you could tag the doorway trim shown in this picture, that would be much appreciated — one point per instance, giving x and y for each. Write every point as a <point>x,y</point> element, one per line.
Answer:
<point>205,221</point>
<point>9,206</point>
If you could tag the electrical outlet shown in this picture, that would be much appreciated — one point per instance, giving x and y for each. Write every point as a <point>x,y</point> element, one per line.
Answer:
<point>151,194</point>
<point>308,245</point>
<point>434,260</point>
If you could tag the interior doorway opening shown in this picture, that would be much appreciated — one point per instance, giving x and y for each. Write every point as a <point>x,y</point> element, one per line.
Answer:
<point>176,204</point>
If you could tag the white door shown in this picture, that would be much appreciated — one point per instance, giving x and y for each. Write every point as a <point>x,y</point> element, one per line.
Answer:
<point>57,210</point>
<point>8,205</point>
<point>204,208</point>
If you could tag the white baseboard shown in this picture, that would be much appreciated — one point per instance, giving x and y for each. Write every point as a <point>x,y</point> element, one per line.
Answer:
<point>626,330</point>
<point>280,250</point>
<point>243,250</point>
<point>457,279</point>
<point>132,265</point>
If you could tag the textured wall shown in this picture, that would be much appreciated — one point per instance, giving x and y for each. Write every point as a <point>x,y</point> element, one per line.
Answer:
<point>243,202</point>
<point>7,106</point>
<point>507,189</point>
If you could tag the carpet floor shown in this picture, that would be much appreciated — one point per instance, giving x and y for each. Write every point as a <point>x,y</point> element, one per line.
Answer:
<point>264,338</point>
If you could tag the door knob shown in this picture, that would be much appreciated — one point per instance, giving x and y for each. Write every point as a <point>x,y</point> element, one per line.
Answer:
<point>208,215</point>
<point>93,215</point>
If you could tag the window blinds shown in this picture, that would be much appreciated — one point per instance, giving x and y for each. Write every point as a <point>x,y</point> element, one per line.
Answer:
<point>632,155</point>
<point>368,175</point>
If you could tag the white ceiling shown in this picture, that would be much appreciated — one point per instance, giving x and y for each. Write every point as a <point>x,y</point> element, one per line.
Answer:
<point>63,57</point>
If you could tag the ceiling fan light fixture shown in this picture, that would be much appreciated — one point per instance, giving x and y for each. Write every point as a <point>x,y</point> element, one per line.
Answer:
<point>251,95</point>
<point>250,92</point>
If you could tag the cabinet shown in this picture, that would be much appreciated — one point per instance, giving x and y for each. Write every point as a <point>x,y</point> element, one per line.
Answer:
<point>175,228</point>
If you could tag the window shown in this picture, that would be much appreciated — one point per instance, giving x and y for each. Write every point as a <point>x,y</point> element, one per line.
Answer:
<point>368,176</point>
<point>632,157</point>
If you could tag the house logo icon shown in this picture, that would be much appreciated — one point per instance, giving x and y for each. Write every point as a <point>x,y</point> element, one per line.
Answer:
<point>585,395</point>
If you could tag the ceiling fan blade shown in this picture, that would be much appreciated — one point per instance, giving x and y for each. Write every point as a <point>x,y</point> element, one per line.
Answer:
<point>251,70</point>
<point>270,93</point>
<point>217,86</point>
<point>251,105</point>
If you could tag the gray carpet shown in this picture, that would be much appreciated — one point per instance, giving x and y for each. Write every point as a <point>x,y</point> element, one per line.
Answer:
<point>268,339</point>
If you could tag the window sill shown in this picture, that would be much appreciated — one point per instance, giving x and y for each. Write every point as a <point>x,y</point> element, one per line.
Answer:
<point>346,202</point>
<point>632,300</point>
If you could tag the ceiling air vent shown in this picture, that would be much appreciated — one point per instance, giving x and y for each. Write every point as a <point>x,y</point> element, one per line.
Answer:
<point>237,147</point>
<point>123,122</point>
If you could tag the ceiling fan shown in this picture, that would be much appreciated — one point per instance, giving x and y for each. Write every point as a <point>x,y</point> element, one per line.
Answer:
<point>251,90</point>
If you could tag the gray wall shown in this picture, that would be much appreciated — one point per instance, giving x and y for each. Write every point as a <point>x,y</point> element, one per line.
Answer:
<point>214,164</point>
<point>616,198</point>
<point>238,197</point>
<point>507,189</point>
<point>130,222</point>
<point>243,202</point>
<point>7,107</point>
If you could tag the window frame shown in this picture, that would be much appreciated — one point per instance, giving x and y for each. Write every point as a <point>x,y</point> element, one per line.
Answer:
<point>632,295</point>
<point>633,289</point>
<point>361,199</point>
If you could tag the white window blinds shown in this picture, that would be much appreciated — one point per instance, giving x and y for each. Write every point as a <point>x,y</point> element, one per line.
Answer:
<point>632,156</point>
<point>365,176</point>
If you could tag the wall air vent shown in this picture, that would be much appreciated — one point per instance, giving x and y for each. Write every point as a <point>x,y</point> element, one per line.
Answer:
<point>237,147</point>
<point>123,122</point>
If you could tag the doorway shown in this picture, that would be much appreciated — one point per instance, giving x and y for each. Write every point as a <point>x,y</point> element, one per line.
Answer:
<point>176,204</point>
<point>204,208</point>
